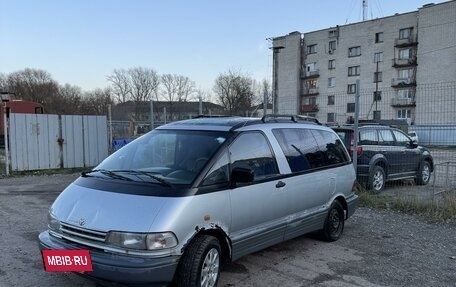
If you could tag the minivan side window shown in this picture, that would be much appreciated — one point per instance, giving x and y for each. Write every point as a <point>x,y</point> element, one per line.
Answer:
<point>368,137</point>
<point>218,173</point>
<point>252,150</point>
<point>331,146</point>
<point>299,147</point>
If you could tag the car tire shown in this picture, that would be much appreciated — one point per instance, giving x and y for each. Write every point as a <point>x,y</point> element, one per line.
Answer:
<point>334,223</point>
<point>377,179</point>
<point>424,173</point>
<point>200,263</point>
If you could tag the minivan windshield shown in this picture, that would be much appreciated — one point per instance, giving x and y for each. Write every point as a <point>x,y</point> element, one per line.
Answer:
<point>165,157</point>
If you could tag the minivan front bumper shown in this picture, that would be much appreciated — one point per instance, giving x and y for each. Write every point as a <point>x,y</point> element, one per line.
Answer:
<point>130,270</point>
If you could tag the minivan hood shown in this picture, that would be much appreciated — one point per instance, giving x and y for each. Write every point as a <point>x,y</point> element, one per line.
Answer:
<point>106,211</point>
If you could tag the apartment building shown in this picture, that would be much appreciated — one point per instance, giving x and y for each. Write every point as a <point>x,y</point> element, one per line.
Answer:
<point>405,64</point>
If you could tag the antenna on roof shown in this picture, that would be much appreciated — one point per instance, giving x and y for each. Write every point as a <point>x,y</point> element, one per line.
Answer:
<point>364,10</point>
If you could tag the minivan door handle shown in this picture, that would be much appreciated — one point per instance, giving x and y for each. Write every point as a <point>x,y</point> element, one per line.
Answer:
<point>280,184</point>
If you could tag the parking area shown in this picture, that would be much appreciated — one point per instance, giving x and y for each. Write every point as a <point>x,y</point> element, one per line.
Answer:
<point>377,248</point>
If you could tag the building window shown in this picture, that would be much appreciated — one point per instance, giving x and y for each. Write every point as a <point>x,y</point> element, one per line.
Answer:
<point>311,84</point>
<point>404,54</point>
<point>377,96</point>
<point>377,115</point>
<point>404,94</point>
<point>331,82</point>
<point>350,107</point>
<point>331,100</point>
<point>332,33</point>
<point>377,77</point>
<point>351,88</point>
<point>309,101</point>
<point>354,51</point>
<point>332,46</point>
<point>405,33</point>
<point>405,73</point>
<point>379,37</point>
<point>331,64</point>
<point>378,57</point>
<point>403,114</point>
<point>312,49</point>
<point>331,118</point>
<point>354,71</point>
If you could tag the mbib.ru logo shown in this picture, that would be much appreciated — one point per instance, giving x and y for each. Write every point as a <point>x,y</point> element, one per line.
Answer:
<point>67,260</point>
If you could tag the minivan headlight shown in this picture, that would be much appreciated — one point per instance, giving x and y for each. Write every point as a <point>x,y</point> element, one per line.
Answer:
<point>142,241</point>
<point>53,222</point>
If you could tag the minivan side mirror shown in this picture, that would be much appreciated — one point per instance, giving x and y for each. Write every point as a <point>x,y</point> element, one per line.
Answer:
<point>413,144</point>
<point>241,175</point>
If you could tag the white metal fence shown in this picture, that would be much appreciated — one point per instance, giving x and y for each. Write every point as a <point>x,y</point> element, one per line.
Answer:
<point>53,141</point>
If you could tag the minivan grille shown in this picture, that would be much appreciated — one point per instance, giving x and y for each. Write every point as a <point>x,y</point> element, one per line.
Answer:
<point>80,233</point>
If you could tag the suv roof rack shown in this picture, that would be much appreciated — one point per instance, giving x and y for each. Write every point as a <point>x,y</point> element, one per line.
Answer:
<point>288,118</point>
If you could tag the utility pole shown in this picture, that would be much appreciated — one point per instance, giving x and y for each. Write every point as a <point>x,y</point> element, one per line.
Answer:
<point>376,90</point>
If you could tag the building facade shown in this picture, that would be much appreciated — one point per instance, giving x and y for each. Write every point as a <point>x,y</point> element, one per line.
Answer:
<point>405,65</point>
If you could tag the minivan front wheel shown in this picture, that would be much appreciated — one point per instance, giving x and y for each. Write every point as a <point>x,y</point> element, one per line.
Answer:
<point>200,263</point>
<point>334,223</point>
<point>377,179</point>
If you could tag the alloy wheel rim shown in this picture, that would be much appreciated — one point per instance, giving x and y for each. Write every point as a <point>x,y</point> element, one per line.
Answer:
<point>425,173</point>
<point>210,268</point>
<point>378,180</point>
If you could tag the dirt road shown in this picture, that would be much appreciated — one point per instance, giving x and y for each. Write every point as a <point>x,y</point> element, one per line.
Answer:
<point>377,248</point>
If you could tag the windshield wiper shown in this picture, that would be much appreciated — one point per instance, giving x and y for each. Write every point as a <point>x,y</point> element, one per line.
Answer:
<point>106,172</point>
<point>149,174</point>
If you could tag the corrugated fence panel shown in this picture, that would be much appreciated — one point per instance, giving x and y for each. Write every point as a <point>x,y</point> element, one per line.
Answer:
<point>33,141</point>
<point>436,135</point>
<point>72,134</point>
<point>95,139</point>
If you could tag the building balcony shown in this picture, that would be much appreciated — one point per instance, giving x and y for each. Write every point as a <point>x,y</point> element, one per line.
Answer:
<point>410,41</point>
<point>309,108</point>
<point>403,82</point>
<point>310,92</point>
<point>397,63</point>
<point>310,74</point>
<point>403,102</point>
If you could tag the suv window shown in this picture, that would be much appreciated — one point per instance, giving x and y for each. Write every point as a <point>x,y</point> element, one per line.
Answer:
<point>385,137</point>
<point>252,150</point>
<point>368,137</point>
<point>401,139</point>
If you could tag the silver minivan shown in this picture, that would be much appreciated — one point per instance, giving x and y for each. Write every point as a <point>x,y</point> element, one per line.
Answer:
<point>178,202</point>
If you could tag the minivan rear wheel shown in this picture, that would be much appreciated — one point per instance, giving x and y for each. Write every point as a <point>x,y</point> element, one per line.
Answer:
<point>200,263</point>
<point>334,223</point>
<point>377,179</point>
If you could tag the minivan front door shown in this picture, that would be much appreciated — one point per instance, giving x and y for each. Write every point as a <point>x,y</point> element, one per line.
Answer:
<point>259,208</point>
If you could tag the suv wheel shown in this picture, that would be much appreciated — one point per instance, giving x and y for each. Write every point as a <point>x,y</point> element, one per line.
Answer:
<point>424,173</point>
<point>334,223</point>
<point>377,179</point>
<point>200,264</point>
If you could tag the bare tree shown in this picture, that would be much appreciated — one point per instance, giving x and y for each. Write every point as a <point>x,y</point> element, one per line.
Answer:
<point>234,92</point>
<point>266,88</point>
<point>185,88</point>
<point>35,85</point>
<point>71,99</point>
<point>96,102</point>
<point>3,83</point>
<point>144,85</point>
<point>121,85</point>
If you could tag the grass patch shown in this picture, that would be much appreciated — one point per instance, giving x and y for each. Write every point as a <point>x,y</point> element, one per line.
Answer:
<point>443,210</point>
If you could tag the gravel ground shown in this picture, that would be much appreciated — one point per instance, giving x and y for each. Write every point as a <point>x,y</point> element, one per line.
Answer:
<point>378,248</point>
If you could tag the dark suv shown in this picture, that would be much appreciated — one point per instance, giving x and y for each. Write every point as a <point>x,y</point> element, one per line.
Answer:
<point>386,154</point>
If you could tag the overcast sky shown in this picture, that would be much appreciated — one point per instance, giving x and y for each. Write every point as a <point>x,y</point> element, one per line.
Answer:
<point>81,41</point>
